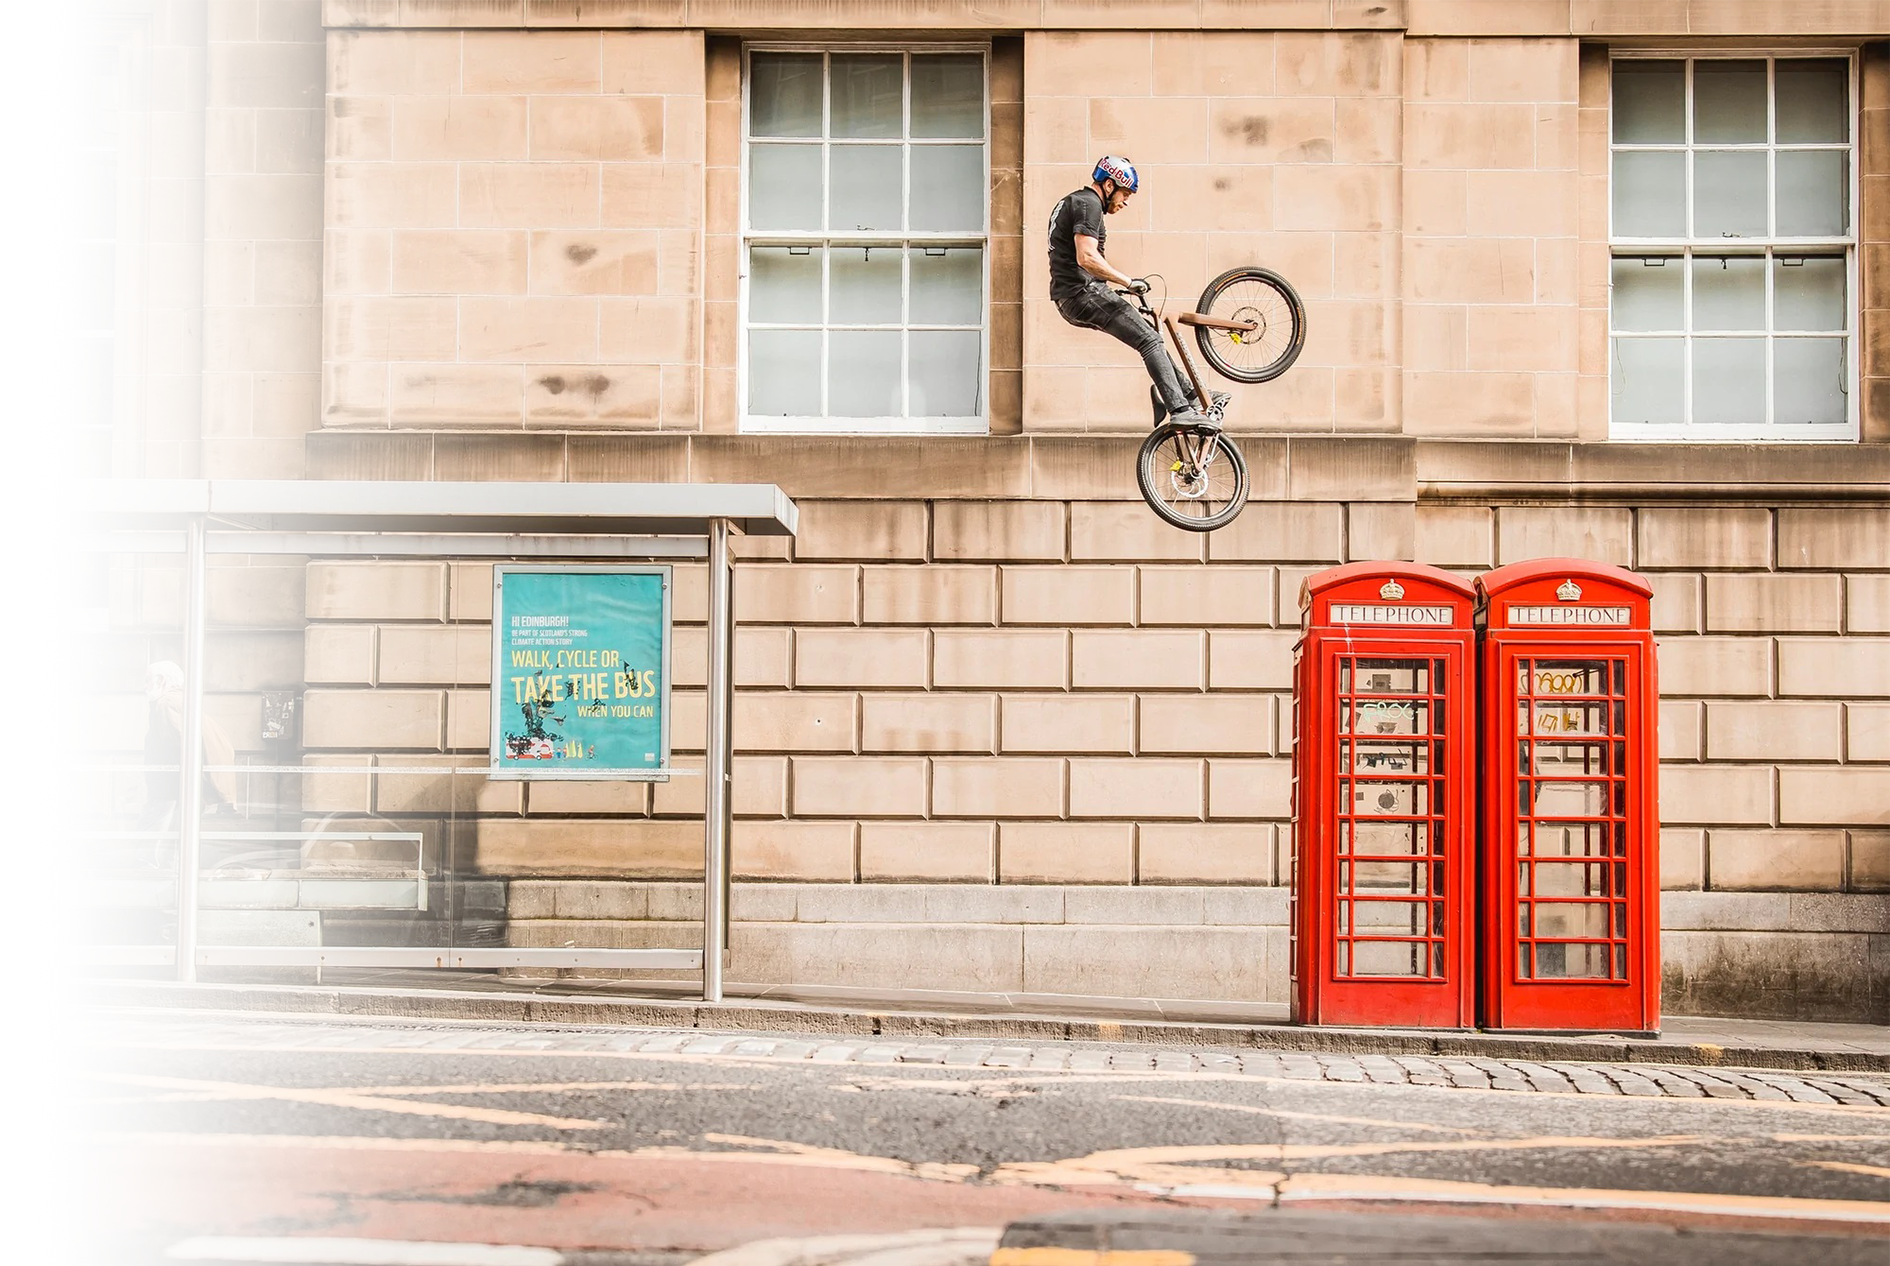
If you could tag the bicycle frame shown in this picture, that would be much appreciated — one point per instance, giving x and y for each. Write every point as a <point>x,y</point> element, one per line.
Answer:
<point>1202,455</point>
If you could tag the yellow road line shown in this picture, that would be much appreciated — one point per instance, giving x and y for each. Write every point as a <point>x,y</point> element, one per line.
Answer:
<point>346,1099</point>
<point>1297,1116</point>
<point>1875,1171</point>
<point>1091,1257</point>
<point>1306,1187</point>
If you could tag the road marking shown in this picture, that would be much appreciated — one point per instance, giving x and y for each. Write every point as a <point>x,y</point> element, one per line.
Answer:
<point>1297,1116</point>
<point>1875,1171</point>
<point>348,1099</point>
<point>948,1246</point>
<point>336,1251</point>
<point>1091,1257</point>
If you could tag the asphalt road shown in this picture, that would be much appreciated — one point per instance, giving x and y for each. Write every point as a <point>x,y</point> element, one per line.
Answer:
<point>257,1132</point>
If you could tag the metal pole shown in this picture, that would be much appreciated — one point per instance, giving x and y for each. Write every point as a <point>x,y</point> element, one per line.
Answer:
<point>719,761</point>
<point>190,797</point>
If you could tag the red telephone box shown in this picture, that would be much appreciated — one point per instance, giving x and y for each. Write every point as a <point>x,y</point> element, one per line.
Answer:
<point>1570,863</point>
<point>1382,923</point>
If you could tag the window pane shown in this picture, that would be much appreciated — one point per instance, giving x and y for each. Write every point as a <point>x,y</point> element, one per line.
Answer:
<point>82,288</point>
<point>784,373</point>
<point>784,186</point>
<point>1809,377</point>
<point>1648,296</point>
<point>1814,100</point>
<point>948,95</point>
<point>1728,194</point>
<point>947,285</point>
<point>1814,193</point>
<point>84,195</point>
<point>948,191</point>
<point>1647,380</point>
<point>1650,102</point>
<point>1728,102</point>
<point>946,373</point>
<point>1728,292</point>
<point>866,187</point>
<point>1650,194</point>
<point>1808,292</point>
<point>783,286</point>
<point>784,99</point>
<point>863,374</point>
<point>866,285</point>
<point>1728,380</point>
<point>868,91</point>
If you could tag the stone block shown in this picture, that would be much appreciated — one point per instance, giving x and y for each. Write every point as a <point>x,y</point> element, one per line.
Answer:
<point>1205,853</point>
<point>862,531</point>
<point>998,659</point>
<point>759,788</point>
<point>998,531</point>
<point>1381,530</point>
<point>349,789</point>
<point>527,195</point>
<point>468,720</point>
<point>1680,729</point>
<point>929,723</point>
<point>801,721</point>
<point>339,654</point>
<point>1715,795</point>
<point>1775,861</point>
<point>861,658</point>
<point>1010,787</point>
<point>1281,532</point>
<point>457,127</point>
<point>930,594</point>
<point>1066,852</point>
<point>808,851</point>
<point>1677,605</point>
<point>1715,666</point>
<point>1870,861</point>
<point>532,61</point>
<point>618,850</point>
<point>1241,659</point>
<point>384,63</point>
<point>1137,659</point>
<point>1867,731</point>
<point>1250,789</point>
<point>1456,536</point>
<point>1063,723</point>
<point>1682,859</point>
<point>762,656</point>
<point>376,591</point>
<point>469,591</point>
<point>967,958</point>
<point>1853,536</point>
<point>1225,724</point>
<point>928,852</point>
<point>1774,731</point>
<point>1602,533</point>
<point>1118,906</point>
<point>616,263</point>
<point>669,62</point>
<point>1120,531</point>
<point>374,720</point>
<point>1067,596</point>
<point>588,799</point>
<point>597,129</point>
<point>1867,604</point>
<point>1853,795</point>
<point>1718,537</point>
<point>794,593</point>
<point>1840,668</point>
<point>1761,602</point>
<point>1775,975</point>
<point>390,195</point>
<point>435,655</point>
<point>1145,962</point>
<point>859,786</point>
<point>1206,595</point>
<point>1141,788</point>
<point>445,792</point>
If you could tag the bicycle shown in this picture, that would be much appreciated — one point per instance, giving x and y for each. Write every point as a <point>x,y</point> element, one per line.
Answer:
<point>1250,326</point>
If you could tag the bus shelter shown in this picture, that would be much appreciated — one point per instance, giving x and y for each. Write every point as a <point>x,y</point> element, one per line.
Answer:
<point>568,526</point>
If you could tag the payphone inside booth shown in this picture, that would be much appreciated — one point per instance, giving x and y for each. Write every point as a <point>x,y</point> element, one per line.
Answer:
<point>1570,871</point>
<point>1382,922</point>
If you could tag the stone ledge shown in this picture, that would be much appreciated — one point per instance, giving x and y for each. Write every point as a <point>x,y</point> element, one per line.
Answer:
<point>1810,912</point>
<point>1482,471</point>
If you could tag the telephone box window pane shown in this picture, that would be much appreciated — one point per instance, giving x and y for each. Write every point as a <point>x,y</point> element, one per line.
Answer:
<point>1571,962</point>
<point>866,188</point>
<point>1810,376</point>
<point>947,373</point>
<point>784,95</point>
<point>1385,839</point>
<point>1389,958</point>
<point>948,95</point>
<point>784,285</point>
<point>784,373</point>
<point>1387,877</point>
<point>866,285</point>
<point>1814,196</point>
<point>863,374</point>
<point>1814,101</point>
<point>949,192</point>
<point>1729,380</point>
<point>1572,879</point>
<point>1391,758</point>
<point>868,92</point>
<point>1729,102</point>
<point>784,186</point>
<point>947,285</point>
<point>1650,102</point>
<point>1649,383</point>
<point>1728,292</point>
<point>1648,296</point>
<point>1390,799</point>
<point>1565,839</point>
<point>1570,799</point>
<point>1729,193</point>
<point>1650,193</point>
<point>1808,292</point>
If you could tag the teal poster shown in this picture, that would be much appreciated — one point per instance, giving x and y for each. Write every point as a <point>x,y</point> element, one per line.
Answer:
<point>580,672</point>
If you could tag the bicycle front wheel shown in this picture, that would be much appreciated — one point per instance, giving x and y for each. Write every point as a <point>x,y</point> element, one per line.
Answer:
<point>1262,297</point>
<point>1183,488</point>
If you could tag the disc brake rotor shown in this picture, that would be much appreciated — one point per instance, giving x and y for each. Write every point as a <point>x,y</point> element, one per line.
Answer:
<point>1240,336</point>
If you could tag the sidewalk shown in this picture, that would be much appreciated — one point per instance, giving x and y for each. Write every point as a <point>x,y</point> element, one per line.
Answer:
<point>439,995</point>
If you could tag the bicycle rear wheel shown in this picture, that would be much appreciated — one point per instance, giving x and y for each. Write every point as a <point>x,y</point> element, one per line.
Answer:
<point>1189,494</point>
<point>1263,297</point>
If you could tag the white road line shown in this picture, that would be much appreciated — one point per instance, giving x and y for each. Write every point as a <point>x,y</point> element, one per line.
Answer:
<point>316,1251</point>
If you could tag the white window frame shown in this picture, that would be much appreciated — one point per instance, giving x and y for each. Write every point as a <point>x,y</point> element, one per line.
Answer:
<point>1684,248</point>
<point>980,424</point>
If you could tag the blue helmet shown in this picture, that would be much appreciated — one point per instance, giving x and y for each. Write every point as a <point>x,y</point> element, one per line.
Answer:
<point>1115,167</point>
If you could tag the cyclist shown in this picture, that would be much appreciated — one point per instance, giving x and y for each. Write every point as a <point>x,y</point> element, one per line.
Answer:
<point>1080,277</point>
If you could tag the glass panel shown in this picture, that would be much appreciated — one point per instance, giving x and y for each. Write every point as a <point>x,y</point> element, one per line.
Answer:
<point>1390,799</point>
<point>1729,102</point>
<point>1814,197</point>
<point>866,285</point>
<point>82,382</point>
<point>1569,800</point>
<point>1648,293</point>
<point>1394,877</point>
<point>784,186</point>
<point>784,373</point>
<point>868,94</point>
<point>1729,194</point>
<point>1814,100</point>
<point>82,288</point>
<point>948,188</point>
<point>948,95</point>
<point>1729,380</point>
<point>947,373</point>
<point>1393,958</point>
<point>1649,380</point>
<point>1567,718</point>
<point>947,285</point>
<point>1391,758</point>
<point>784,94</point>
<point>1568,760</point>
<point>1810,377</point>
<point>1571,962</point>
<point>1650,102</point>
<point>1551,678</point>
<point>866,187</point>
<point>1650,194</point>
<point>1385,839</point>
<point>863,374</point>
<point>1728,292</point>
<point>1565,839</point>
<point>1571,879</point>
<point>784,285</point>
<point>84,195</point>
<point>1808,292</point>
<point>1399,676</point>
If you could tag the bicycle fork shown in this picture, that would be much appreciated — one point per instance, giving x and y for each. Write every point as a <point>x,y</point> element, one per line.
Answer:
<point>1197,449</point>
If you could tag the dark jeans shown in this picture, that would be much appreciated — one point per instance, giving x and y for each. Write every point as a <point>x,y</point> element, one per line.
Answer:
<point>1099,308</point>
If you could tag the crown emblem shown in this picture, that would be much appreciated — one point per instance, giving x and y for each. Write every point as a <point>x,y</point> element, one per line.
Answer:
<point>1568,591</point>
<point>1391,591</point>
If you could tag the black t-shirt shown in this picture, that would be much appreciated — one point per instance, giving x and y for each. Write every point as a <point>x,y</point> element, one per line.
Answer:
<point>1081,211</point>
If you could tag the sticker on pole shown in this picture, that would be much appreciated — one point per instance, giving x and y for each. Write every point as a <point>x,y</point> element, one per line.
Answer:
<point>580,673</point>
